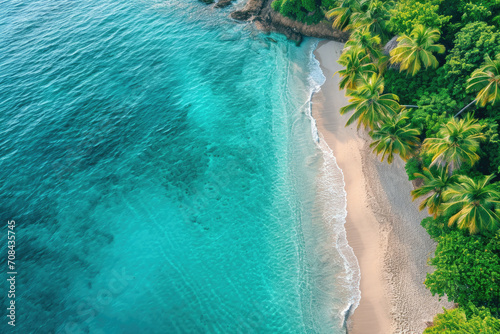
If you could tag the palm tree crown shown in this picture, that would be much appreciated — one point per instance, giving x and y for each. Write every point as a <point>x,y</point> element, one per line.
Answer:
<point>374,15</point>
<point>473,204</point>
<point>457,141</point>
<point>342,13</point>
<point>395,136</point>
<point>486,80</point>
<point>436,181</point>
<point>356,62</point>
<point>416,50</point>
<point>364,40</point>
<point>370,106</point>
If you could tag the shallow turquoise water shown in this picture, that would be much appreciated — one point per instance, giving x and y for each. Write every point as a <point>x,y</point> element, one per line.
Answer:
<point>160,166</point>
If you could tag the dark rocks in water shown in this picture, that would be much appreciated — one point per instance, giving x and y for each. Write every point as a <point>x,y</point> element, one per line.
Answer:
<point>219,4</point>
<point>267,20</point>
<point>267,23</point>
<point>223,3</point>
<point>290,33</point>
<point>252,8</point>
<point>240,15</point>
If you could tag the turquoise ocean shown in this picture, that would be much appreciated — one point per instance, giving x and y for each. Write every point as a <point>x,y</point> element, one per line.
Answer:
<point>165,174</point>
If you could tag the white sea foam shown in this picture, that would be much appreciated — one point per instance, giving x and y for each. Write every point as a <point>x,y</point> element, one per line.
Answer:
<point>333,195</point>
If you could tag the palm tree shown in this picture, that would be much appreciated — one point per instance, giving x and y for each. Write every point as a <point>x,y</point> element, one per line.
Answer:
<point>486,80</point>
<point>395,136</point>
<point>436,181</point>
<point>474,205</point>
<point>355,63</point>
<point>364,40</point>
<point>416,50</point>
<point>342,13</point>
<point>370,106</point>
<point>374,15</point>
<point>457,141</point>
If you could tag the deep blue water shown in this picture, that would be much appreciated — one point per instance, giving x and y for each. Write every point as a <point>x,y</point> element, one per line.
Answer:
<point>158,160</point>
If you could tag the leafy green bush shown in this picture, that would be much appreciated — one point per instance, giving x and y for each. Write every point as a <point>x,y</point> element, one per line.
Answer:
<point>409,13</point>
<point>467,270</point>
<point>472,44</point>
<point>433,112</point>
<point>409,89</point>
<point>413,165</point>
<point>490,149</point>
<point>306,11</point>
<point>456,321</point>
<point>490,158</point>
<point>475,12</point>
<point>310,5</point>
<point>276,5</point>
<point>436,227</point>
<point>328,4</point>
<point>463,12</point>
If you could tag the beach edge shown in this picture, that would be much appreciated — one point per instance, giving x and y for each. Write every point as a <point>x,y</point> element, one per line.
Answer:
<point>382,224</point>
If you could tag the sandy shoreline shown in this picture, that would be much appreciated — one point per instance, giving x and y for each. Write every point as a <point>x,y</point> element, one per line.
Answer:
<point>383,224</point>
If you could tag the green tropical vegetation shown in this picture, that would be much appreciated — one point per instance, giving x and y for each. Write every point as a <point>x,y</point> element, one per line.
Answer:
<point>395,136</point>
<point>306,11</point>
<point>486,80</point>
<point>435,182</point>
<point>309,11</point>
<point>473,204</point>
<point>362,39</point>
<point>456,321</point>
<point>342,12</point>
<point>356,63</point>
<point>467,270</point>
<point>408,14</point>
<point>456,142</point>
<point>417,49</point>
<point>368,103</point>
<point>442,62</point>
<point>372,15</point>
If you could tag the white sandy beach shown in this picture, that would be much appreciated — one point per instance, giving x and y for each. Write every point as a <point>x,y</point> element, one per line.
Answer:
<point>383,224</point>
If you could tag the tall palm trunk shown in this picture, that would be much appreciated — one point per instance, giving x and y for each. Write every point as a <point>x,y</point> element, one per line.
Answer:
<point>467,106</point>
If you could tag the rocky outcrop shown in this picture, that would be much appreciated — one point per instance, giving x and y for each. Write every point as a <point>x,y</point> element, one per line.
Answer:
<point>223,3</point>
<point>267,20</point>
<point>270,20</point>
<point>390,45</point>
<point>251,10</point>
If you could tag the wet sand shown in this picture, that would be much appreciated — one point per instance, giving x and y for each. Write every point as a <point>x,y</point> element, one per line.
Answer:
<point>383,224</point>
